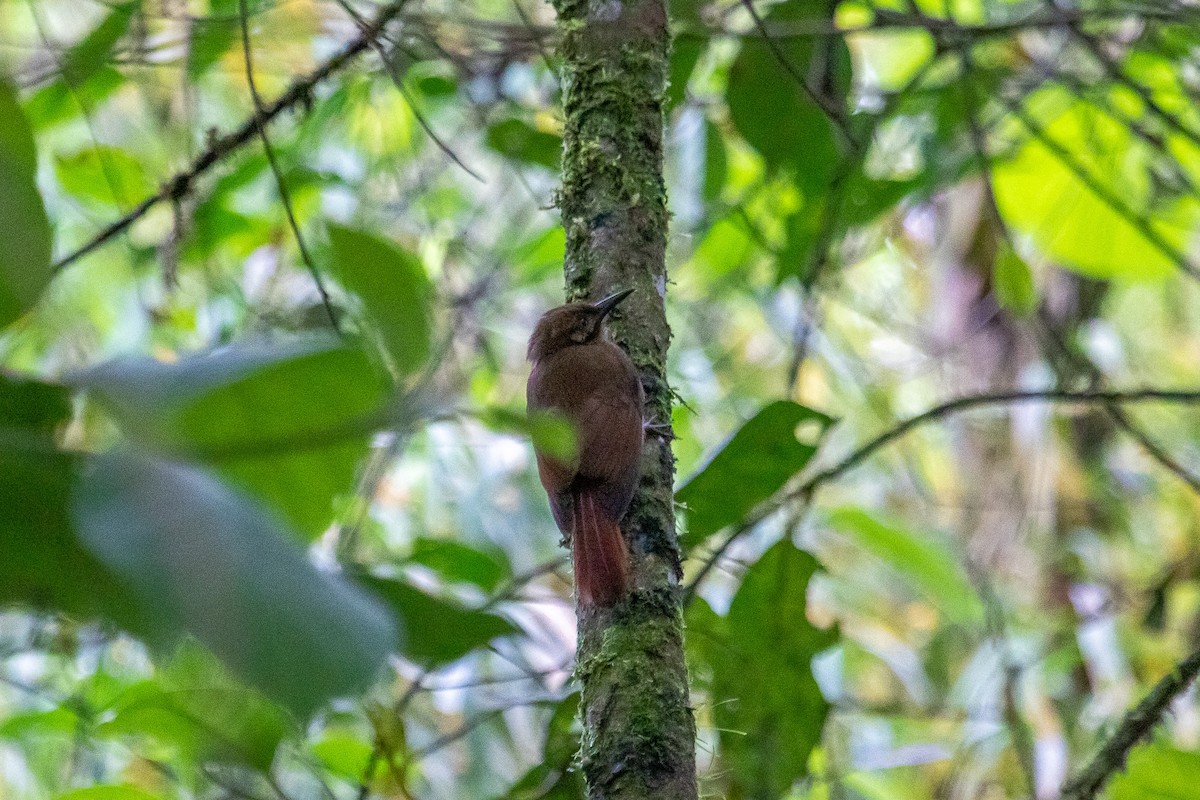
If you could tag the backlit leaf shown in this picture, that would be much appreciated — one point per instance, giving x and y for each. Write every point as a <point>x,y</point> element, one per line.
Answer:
<point>750,467</point>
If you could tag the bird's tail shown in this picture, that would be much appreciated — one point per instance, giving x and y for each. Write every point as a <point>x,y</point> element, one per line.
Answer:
<point>598,550</point>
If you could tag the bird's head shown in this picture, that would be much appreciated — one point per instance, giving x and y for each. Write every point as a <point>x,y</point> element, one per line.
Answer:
<point>571,324</point>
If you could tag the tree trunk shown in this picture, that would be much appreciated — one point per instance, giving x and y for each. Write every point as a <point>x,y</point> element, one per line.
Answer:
<point>639,735</point>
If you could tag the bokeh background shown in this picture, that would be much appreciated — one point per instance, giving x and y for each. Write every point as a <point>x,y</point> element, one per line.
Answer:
<point>876,207</point>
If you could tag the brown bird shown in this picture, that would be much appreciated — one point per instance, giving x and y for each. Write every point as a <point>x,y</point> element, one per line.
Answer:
<point>591,382</point>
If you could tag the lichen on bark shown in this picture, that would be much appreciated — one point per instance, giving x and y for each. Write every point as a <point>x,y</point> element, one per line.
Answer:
<point>639,734</point>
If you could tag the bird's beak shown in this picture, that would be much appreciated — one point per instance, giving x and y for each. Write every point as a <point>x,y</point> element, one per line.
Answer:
<point>609,303</point>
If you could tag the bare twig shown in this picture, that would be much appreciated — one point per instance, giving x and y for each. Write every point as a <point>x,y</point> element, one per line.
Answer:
<point>835,114</point>
<point>1135,727</point>
<point>298,93</point>
<point>280,183</point>
<point>806,489</point>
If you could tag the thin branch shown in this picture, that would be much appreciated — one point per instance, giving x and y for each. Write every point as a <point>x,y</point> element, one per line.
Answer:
<point>284,196</point>
<point>807,489</point>
<point>948,31</point>
<point>1113,410</point>
<point>298,93</point>
<point>836,115</point>
<point>1135,727</point>
<point>398,81</point>
<point>1105,195</point>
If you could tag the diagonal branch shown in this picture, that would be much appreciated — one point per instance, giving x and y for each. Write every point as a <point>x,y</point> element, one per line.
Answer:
<point>1137,725</point>
<point>180,184</point>
<point>284,196</point>
<point>805,490</point>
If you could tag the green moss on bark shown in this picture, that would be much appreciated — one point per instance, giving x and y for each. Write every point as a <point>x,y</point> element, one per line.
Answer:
<point>639,735</point>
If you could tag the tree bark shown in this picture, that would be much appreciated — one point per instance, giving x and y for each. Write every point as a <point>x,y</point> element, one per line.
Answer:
<point>639,734</point>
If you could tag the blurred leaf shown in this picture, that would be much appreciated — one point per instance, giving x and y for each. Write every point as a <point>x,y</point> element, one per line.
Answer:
<point>725,248</point>
<point>926,561</point>
<point>288,422</point>
<point>44,565</point>
<point>1104,223</point>
<point>458,562</point>
<point>767,706</point>
<point>434,85</point>
<point>549,431</point>
<point>1157,772</point>
<point>685,53</point>
<point>1012,282</point>
<point>542,254</point>
<point>715,161</point>
<point>33,725</point>
<point>195,708</point>
<point>393,289</point>
<point>211,37</point>
<point>93,51</point>
<point>203,558</point>
<point>770,107</point>
<point>437,631</point>
<point>58,102</point>
<point>344,753</point>
<point>24,228</point>
<point>521,141</point>
<point>104,174</point>
<point>555,778</point>
<point>750,467</point>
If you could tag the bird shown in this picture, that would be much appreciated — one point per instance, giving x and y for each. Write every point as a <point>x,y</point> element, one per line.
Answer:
<point>580,374</point>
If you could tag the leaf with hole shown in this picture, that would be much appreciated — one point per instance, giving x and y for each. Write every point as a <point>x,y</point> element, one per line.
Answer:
<point>750,467</point>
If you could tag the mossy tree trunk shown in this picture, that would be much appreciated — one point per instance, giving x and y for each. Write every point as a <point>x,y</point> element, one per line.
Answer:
<point>639,735</point>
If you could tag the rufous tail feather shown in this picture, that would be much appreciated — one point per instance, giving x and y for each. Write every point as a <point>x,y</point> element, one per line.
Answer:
<point>598,550</point>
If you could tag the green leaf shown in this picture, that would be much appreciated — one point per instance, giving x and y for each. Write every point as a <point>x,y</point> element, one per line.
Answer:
<point>1085,193</point>
<point>725,248</point>
<point>461,563</point>
<point>58,721</point>
<point>520,141</point>
<point>104,174</point>
<point>24,227</point>
<point>58,102</point>
<point>343,753</point>
<point>203,558</point>
<point>750,467</point>
<point>288,422</point>
<point>437,631</point>
<point>542,254</point>
<point>44,564</point>
<point>1157,772</point>
<point>555,778</point>
<point>770,107</point>
<point>715,161</point>
<point>549,431</point>
<point>926,561</point>
<point>685,54</point>
<point>92,53</point>
<point>1012,283</point>
<point>195,708</point>
<point>766,704</point>
<point>393,289</point>
<point>211,37</point>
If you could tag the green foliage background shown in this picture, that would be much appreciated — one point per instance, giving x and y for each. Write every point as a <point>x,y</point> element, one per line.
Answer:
<point>246,553</point>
